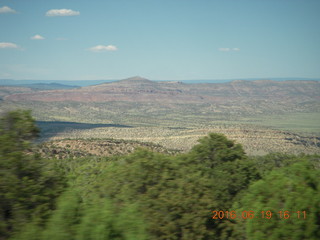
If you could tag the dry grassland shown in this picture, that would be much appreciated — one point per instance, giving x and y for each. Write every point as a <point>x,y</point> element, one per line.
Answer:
<point>255,141</point>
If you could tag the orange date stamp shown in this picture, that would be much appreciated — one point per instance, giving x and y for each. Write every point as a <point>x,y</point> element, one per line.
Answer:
<point>260,215</point>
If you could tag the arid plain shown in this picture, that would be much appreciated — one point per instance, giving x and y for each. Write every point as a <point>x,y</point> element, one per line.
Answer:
<point>263,115</point>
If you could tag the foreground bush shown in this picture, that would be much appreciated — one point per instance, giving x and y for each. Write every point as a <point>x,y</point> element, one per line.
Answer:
<point>292,196</point>
<point>148,195</point>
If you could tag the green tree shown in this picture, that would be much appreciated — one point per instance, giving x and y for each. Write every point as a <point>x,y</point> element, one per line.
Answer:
<point>177,194</point>
<point>62,223</point>
<point>175,203</point>
<point>27,184</point>
<point>230,173</point>
<point>75,220</point>
<point>294,189</point>
<point>17,129</point>
<point>215,149</point>
<point>272,161</point>
<point>169,197</point>
<point>102,221</point>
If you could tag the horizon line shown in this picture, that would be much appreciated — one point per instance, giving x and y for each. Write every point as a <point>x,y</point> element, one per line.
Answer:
<point>194,79</point>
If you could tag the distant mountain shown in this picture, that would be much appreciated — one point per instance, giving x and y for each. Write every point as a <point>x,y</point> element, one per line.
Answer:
<point>127,109</point>
<point>245,79</point>
<point>10,82</point>
<point>135,79</point>
<point>84,83</point>
<point>138,89</point>
<point>139,101</point>
<point>48,86</point>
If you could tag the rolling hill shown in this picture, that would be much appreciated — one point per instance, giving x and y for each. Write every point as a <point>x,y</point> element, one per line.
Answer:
<point>232,99</point>
<point>143,90</point>
<point>159,107</point>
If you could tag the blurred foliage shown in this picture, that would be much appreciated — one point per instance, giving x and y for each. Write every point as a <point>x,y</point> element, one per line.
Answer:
<point>28,184</point>
<point>294,189</point>
<point>149,195</point>
<point>272,161</point>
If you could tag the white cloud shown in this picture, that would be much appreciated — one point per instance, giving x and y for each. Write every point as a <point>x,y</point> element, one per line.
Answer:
<point>61,13</point>
<point>224,49</point>
<point>8,45</point>
<point>229,49</point>
<point>102,48</point>
<point>6,9</point>
<point>37,37</point>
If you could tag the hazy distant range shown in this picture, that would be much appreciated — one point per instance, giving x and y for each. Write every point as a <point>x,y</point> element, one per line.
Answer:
<point>65,84</point>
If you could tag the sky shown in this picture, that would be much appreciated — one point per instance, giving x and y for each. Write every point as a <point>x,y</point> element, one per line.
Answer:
<point>159,39</point>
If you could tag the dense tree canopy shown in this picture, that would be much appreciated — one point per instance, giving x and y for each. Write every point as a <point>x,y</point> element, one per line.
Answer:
<point>148,195</point>
<point>176,194</point>
<point>28,185</point>
<point>292,195</point>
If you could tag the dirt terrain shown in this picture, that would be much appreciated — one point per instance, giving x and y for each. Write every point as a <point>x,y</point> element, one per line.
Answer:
<point>143,90</point>
<point>257,141</point>
<point>258,114</point>
<point>72,148</point>
<point>138,101</point>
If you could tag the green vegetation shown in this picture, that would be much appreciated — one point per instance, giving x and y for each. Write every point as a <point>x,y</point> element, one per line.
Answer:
<point>292,195</point>
<point>196,115</point>
<point>150,195</point>
<point>255,140</point>
<point>28,184</point>
<point>295,122</point>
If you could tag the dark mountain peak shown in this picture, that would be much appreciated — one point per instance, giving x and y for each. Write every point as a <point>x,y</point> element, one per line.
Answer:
<point>136,79</point>
<point>132,83</point>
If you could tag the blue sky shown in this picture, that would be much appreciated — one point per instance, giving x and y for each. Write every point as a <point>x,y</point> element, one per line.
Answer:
<point>159,39</point>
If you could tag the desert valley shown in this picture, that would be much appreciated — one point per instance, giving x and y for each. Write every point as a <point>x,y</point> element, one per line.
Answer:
<point>263,115</point>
